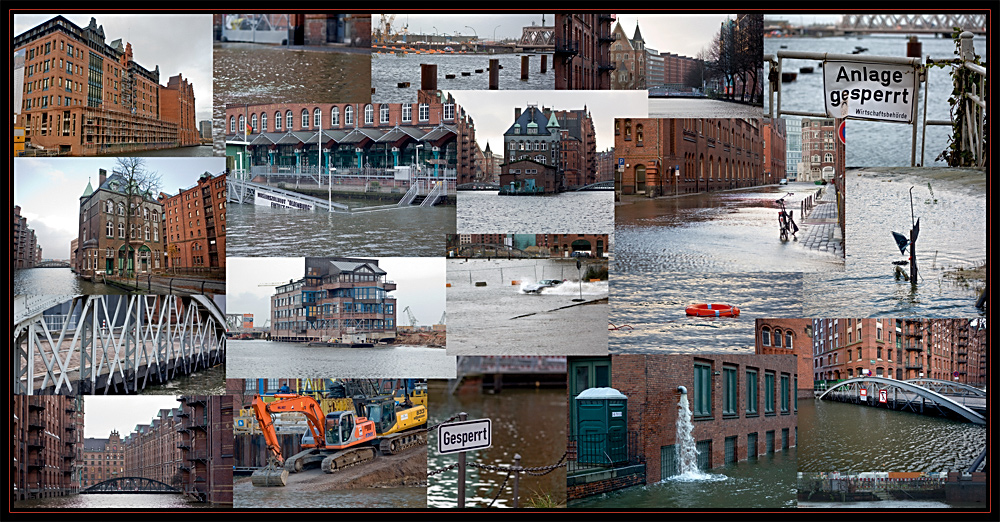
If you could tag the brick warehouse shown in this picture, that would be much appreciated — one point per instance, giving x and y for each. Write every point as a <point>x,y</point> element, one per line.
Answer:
<point>46,445</point>
<point>582,58</point>
<point>153,450</point>
<point>733,421</point>
<point>102,459</point>
<point>789,336</point>
<point>682,156</point>
<point>194,224</point>
<point>83,96</point>
<point>207,448</point>
<point>25,251</point>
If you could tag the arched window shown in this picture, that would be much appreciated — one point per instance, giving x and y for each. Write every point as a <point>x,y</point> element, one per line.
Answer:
<point>253,122</point>
<point>289,120</point>
<point>243,124</point>
<point>788,339</point>
<point>383,113</point>
<point>121,230</point>
<point>828,158</point>
<point>349,115</point>
<point>146,232</point>
<point>765,336</point>
<point>317,118</point>
<point>263,122</point>
<point>232,124</point>
<point>145,213</point>
<point>369,114</point>
<point>638,134</point>
<point>121,209</point>
<point>305,119</point>
<point>335,116</point>
<point>109,207</point>
<point>277,121</point>
<point>110,229</point>
<point>777,338</point>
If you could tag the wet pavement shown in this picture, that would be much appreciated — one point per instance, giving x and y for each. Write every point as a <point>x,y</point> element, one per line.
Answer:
<point>584,212</point>
<point>701,108</point>
<point>255,359</point>
<point>728,231</point>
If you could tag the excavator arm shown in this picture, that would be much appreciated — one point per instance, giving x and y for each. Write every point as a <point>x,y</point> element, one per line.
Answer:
<point>274,474</point>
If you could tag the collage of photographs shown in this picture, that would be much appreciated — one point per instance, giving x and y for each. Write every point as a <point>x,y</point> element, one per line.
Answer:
<point>310,261</point>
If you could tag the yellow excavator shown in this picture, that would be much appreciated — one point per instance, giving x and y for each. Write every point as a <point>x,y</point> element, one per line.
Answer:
<point>336,440</point>
<point>398,426</point>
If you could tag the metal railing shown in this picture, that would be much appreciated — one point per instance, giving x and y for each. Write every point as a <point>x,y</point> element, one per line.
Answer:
<point>592,452</point>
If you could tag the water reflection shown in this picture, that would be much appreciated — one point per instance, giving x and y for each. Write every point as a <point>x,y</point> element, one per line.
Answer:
<point>58,281</point>
<point>485,212</point>
<point>388,70</point>
<point>102,501</point>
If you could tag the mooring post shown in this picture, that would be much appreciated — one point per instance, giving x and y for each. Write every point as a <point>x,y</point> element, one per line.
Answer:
<point>428,77</point>
<point>461,469</point>
<point>524,67</point>
<point>517,477</point>
<point>545,63</point>
<point>494,74</point>
<point>914,232</point>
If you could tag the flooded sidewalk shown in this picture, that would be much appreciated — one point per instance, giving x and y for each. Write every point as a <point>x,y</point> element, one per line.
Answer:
<point>822,226</point>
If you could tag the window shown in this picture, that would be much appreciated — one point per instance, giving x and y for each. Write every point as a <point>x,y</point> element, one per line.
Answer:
<point>788,339</point>
<point>751,385</point>
<point>765,336</point>
<point>277,121</point>
<point>232,124</point>
<point>253,122</point>
<point>121,230</point>
<point>318,118</point>
<point>263,122</point>
<point>383,113</point>
<point>407,113</point>
<point>305,119</point>
<point>146,231</point>
<point>109,230</point>
<point>769,393</point>
<point>777,338</point>
<point>729,399</point>
<point>785,394</point>
<point>289,120</point>
<point>702,397</point>
<point>638,134</point>
<point>349,115</point>
<point>449,111</point>
<point>423,112</point>
<point>369,114</point>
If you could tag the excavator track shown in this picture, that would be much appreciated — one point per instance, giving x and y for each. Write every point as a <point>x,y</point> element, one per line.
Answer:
<point>394,444</point>
<point>347,458</point>
<point>302,460</point>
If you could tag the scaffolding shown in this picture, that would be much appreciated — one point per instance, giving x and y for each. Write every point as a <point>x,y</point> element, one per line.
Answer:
<point>109,132</point>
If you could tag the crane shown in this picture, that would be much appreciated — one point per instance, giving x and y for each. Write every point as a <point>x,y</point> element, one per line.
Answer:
<point>444,315</point>
<point>409,314</point>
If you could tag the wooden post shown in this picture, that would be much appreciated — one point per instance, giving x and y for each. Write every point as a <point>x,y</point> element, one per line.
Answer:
<point>461,469</point>
<point>494,74</point>
<point>545,63</point>
<point>913,253</point>
<point>524,67</point>
<point>428,77</point>
<point>517,477</point>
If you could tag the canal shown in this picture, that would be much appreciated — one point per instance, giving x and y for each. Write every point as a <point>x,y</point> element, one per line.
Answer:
<point>245,495</point>
<point>256,359</point>
<point>653,305</point>
<point>112,501</point>
<point>836,436</point>
<point>494,320</point>
<point>701,108</point>
<point>585,212</point>
<point>405,232</point>
<point>718,232</point>
<point>194,151</point>
<point>388,70</point>
<point>58,281</point>
<point>210,381</point>
<point>874,143</point>
<point>531,423</point>
<point>952,216</point>
<point>767,482</point>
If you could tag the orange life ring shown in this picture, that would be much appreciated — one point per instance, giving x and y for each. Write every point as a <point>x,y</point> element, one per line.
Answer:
<point>713,310</point>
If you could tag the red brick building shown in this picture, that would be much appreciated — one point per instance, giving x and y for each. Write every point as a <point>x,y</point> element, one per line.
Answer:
<point>194,224</point>
<point>103,459</point>
<point>206,442</point>
<point>177,106</point>
<point>789,336</point>
<point>629,57</point>
<point>822,152</point>
<point>775,145</point>
<point>152,450</point>
<point>24,249</point>
<point>606,165</point>
<point>46,445</point>
<point>677,69</point>
<point>742,406</point>
<point>582,51</point>
<point>83,96</point>
<point>563,245</point>
<point>681,156</point>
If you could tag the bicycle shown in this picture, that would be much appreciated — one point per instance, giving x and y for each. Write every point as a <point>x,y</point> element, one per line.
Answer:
<point>786,223</point>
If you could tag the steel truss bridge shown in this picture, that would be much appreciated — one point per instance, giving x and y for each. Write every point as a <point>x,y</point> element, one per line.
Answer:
<point>913,23</point>
<point>88,344</point>
<point>130,485</point>
<point>901,396</point>
<point>52,264</point>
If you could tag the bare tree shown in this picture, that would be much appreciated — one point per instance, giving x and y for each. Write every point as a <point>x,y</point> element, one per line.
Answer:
<point>137,184</point>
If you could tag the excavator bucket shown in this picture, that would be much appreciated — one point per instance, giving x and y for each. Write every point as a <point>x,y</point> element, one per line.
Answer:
<point>270,476</point>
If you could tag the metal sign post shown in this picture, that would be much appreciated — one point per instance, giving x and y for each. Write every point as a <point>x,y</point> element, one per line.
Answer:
<point>460,437</point>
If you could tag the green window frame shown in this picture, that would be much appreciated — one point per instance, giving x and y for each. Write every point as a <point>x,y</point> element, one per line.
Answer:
<point>729,391</point>
<point>785,396</point>
<point>769,393</point>
<point>702,397</point>
<point>751,394</point>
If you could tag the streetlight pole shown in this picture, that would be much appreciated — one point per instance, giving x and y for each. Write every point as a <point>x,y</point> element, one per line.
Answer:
<point>495,34</point>
<point>477,37</point>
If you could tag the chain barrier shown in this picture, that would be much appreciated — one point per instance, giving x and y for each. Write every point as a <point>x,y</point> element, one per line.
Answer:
<point>536,471</point>
<point>446,421</point>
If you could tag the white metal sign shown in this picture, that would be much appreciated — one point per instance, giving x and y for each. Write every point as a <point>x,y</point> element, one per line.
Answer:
<point>462,436</point>
<point>276,200</point>
<point>871,91</point>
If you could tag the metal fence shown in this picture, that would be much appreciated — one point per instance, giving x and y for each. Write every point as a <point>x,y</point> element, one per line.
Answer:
<point>602,450</point>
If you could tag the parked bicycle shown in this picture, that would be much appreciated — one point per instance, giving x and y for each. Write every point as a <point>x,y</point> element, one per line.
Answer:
<point>786,224</point>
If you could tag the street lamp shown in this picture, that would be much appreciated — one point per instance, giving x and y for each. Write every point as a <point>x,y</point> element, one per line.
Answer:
<point>495,34</point>
<point>579,274</point>
<point>477,38</point>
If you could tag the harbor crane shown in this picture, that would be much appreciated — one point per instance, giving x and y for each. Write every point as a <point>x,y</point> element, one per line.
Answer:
<point>409,314</point>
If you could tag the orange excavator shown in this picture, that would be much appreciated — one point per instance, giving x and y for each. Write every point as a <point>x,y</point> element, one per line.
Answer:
<point>336,440</point>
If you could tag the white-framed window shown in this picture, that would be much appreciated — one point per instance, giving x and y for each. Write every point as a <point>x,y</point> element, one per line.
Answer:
<point>407,113</point>
<point>121,230</point>
<point>349,115</point>
<point>121,209</point>
<point>263,122</point>
<point>369,114</point>
<point>277,121</point>
<point>243,123</point>
<point>318,118</point>
<point>383,113</point>
<point>156,233</point>
<point>765,336</point>
<point>449,111</point>
<point>146,232</point>
<point>335,116</point>
<point>423,112</point>
<point>232,124</point>
<point>109,230</point>
<point>109,207</point>
<point>305,119</point>
<point>289,120</point>
<point>253,122</point>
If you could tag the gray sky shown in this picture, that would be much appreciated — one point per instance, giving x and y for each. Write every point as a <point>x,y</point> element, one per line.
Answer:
<point>419,284</point>
<point>493,111</point>
<point>177,43</point>
<point>482,25</point>
<point>684,34</point>
<point>49,189</point>
<point>101,414</point>
<point>820,19</point>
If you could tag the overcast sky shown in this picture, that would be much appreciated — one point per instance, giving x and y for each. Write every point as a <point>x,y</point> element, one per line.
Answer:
<point>177,43</point>
<point>101,414</point>
<point>683,34</point>
<point>493,111</point>
<point>481,25</point>
<point>419,284</point>
<point>49,189</point>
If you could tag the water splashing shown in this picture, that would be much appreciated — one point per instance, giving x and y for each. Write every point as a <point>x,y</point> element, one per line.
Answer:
<point>687,451</point>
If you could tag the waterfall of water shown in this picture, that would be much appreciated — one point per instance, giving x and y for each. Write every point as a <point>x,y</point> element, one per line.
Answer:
<point>687,451</point>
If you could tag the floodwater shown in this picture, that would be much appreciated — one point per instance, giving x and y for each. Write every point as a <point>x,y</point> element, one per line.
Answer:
<point>245,495</point>
<point>210,381</point>
<point>648,310</point>
<point>486,320</point>
<point>58,281</point>
<point>836,436</point>
<point>717,232</point>
<point>874,143</point>
<point>255,359</point>
<point>194,151</point>
<point>388,70</point>
<point>952,235</point>
<point>767,482</point>
<point>888,504</point>
<point>585,212</point>
<point>701,108</point>
<point>112,501</point>
<point>530,423</point>
<point>406,232</point>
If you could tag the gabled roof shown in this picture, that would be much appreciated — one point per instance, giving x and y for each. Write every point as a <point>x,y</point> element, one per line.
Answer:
<point>531,115</point>
<point>352,266</point>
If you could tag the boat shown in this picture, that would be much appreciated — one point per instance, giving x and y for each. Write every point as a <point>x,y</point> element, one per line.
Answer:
<point>713,310</point>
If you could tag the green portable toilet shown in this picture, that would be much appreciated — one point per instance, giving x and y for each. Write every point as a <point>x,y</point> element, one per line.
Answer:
<point>602,427</point>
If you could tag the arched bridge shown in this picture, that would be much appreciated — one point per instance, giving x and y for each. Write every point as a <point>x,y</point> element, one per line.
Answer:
<point>901,396</point>
<point>52,264</point>
<point>600,185</point>
<point>488,250</point>
<point>949,387</point>
<point>130,485</point>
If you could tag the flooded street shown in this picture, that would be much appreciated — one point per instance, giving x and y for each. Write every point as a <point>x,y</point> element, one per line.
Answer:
<point>767,482</point>
<point>211,381</point>
<point>263,231</point>
<point>255,359</point>
<point>246,495</point>
<point>531,423</point>
<point>57,281</point>
<point>494,319</point>
<point>701,108</point>
<point>874,143</point>
<point>104,501</point>
<point>387,70</point>
<point>835,436</point>
<point>586,212</point>
<point>717,232</point>
<point>952,235</point>
<point>195,151</point>
<point>653,304</point>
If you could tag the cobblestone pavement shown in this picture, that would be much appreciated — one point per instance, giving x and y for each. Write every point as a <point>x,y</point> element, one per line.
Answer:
<point>822,232</point>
